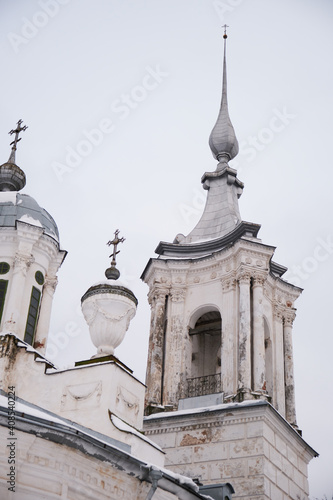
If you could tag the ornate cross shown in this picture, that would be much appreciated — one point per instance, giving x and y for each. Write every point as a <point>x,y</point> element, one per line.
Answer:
<point>225,26</point>
<point>115,242</point>
<point>16,132</point>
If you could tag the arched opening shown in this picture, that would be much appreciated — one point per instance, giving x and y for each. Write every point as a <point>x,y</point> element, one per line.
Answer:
<point>205,372</point>
<point>268,359</point>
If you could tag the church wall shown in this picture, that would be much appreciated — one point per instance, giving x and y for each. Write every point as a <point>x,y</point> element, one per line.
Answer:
<point>49,471</point>
<point>84,395</point>
<point>250,446</point>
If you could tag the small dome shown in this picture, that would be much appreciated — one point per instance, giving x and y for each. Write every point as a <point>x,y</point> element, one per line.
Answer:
<point>15,206</point>
<point>12,178</point>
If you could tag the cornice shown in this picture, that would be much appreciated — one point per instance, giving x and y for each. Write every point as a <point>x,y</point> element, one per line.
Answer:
<point>209,246</point>
<point>230,415</point>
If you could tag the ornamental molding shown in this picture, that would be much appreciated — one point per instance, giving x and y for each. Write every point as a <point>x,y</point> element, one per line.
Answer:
<point>255,247</point>
<point>48,245</point>
<point>268,289</point>
<point>217,422</point>
<point>74,395</point>
<point>178,280</point>
<point>289,317</point>
<point>258,279</point>
<point>50,283</point>
<point>157,295</point>
<point>178,294</point>
<point>127,401</point>
<point>286,288</point>
<point>244,276</point>
<point>22,262</point>
<point>4,238</point>
<point>80,476</point>
<point>28,232</point>
<point>228,283</point>
<point>277,311</point>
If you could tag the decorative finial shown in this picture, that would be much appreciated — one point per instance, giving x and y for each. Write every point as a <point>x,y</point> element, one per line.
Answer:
<point>112,272</point>
<point>222,140</point>
<point>16,140</point>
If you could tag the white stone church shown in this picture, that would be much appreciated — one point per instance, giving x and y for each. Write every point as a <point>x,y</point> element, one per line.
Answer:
<point>216,418</point>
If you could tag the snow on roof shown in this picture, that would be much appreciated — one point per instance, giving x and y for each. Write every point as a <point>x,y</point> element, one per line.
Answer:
<point>33,411</point>
<point>37,413</point>
<point>8,197</point>
<point>30,220</point>
<point>28,348</point>
<point>123,426</point>
<point>179,478</point>
<point>191,411</point>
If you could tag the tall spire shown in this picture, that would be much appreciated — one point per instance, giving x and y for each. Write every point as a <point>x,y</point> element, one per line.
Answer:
<point>12,178</point>
<point>222,140</point>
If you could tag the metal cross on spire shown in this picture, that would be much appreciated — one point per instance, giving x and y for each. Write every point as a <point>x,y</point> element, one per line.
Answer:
<point>112,272</point>
<point>16,140</point>
<point>115,242</point>
<point>225,26</point>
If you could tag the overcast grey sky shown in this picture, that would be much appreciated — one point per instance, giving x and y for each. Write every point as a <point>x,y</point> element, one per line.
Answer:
<point>120,97</point>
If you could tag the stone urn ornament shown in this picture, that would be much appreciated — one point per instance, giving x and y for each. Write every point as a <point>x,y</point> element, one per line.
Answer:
<point>108,307</point>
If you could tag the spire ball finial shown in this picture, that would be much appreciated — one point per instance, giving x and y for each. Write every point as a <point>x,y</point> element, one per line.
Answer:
<point>112,273</point>
<point>225,26</point>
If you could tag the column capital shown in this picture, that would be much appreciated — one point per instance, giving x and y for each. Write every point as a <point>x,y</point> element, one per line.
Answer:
<point>289,317</point>
<point>244,277</point>
<point>51,283</point>
<point>22,262</point>
<point>258,279</point>
<point>228,283</point>
<point>177,294</point>
<point>157,294</point>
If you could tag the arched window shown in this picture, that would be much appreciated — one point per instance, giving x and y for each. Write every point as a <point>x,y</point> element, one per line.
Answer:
<point>206,355</point>
<point>3,290</point>
<point>32,316</point>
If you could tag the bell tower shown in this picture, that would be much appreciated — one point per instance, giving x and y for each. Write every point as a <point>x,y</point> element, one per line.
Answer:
<point>220,347</point>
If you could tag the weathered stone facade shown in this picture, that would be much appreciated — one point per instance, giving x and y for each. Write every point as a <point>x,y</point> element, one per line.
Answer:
<point>248,444</point>
<point>256,311</point>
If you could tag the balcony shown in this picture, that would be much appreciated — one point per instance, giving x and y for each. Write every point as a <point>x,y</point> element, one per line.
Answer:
<point>202,386</point>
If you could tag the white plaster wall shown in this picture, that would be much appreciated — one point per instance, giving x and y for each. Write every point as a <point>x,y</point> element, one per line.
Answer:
<point>49,471</point>
<point>84,395</point>
<point>258,453</point>
<point>39,253</point>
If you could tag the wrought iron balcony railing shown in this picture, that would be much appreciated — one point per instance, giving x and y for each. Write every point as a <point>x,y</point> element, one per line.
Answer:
<point>201,386</point>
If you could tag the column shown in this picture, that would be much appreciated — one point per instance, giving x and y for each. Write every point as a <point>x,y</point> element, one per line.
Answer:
<point>157,301</point>
<point>42,331</point>
<point>244,339</point>
<point>279,400</point>
<point>13,306</point>
<point>259,376</point>
<point>229,337</point>
<point>174,363</point>
<point>289,368</point>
